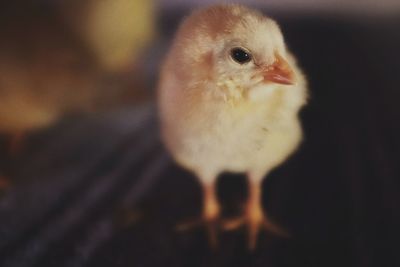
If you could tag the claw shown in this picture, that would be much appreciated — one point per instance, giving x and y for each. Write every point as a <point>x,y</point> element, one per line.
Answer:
<point>263,224</point>
<point>210,224</point>
<point>275,229</point>
<point>233,224</point>
<point>194,223</point>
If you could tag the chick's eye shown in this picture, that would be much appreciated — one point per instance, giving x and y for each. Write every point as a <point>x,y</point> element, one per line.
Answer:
<point>240,55</point>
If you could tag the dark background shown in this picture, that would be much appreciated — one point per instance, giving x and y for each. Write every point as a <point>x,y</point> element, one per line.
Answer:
<point>102,191</point>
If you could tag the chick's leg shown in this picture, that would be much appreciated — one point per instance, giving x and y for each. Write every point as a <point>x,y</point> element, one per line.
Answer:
<point>255,216</point>
<point>210,213</point>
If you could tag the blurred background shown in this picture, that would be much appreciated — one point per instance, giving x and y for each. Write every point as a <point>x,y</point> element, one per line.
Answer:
<point>85,181</point>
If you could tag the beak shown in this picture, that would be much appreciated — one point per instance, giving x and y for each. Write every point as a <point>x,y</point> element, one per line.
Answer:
<point>279,72</point>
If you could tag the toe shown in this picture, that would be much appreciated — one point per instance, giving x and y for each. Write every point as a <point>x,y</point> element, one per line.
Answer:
<point>233,223</point>
<point>274,228</point>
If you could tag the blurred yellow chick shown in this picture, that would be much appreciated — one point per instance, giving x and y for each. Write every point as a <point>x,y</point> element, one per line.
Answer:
<point>48,70</point>
<point>44,71</point>
<point>229,97</point>
<point>117,31</point>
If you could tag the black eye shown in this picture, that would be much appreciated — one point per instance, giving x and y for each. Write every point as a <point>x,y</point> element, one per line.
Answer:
<point>240,55</point>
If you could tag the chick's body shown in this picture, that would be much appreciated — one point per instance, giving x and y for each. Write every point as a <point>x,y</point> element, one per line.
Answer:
<point>224,111</point>
<point>209,135</point>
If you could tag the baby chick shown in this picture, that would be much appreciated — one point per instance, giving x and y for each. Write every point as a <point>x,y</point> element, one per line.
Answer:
<point>44,72</point>
<point>117,31</point>
<point>47,71</point>
<point>229,97</point>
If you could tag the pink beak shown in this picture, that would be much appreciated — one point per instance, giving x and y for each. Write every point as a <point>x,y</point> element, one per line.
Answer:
<point>279,72</point>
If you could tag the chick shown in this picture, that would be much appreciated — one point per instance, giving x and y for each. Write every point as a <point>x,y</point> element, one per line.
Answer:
<point>47,71</point>
<point>42,69</point>
<point>229,97</point>
<point>117,31</point>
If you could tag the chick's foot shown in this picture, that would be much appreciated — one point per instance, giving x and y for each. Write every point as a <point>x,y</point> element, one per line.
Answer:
<point>210,218</point>
<point>255,220</point>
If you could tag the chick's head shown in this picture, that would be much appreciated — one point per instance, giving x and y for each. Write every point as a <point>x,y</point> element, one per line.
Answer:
<point>234,48</point>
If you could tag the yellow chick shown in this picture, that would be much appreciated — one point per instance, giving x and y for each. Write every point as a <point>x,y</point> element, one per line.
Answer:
<point>44,71</point>
<point>47,71</point>
<point>229,97</point>
<point>117,31</point>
